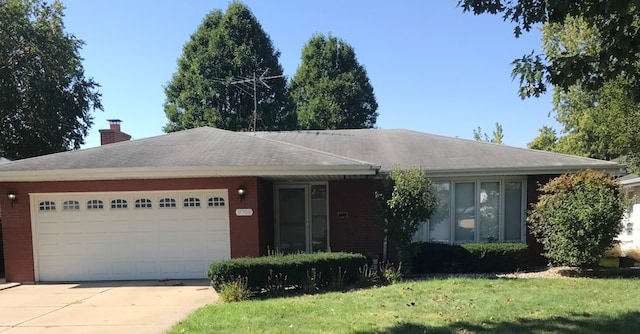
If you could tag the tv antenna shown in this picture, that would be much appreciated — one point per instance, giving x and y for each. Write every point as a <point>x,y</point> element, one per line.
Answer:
<point>255,81</point>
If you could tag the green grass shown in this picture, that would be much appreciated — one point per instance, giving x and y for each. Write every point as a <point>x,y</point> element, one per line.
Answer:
<point>612,262</point>
<point>455,305</point>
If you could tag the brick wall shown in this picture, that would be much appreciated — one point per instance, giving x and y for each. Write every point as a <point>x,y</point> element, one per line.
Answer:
<point>357,232</point>
<point>110,136</point>
<point>16,225</point>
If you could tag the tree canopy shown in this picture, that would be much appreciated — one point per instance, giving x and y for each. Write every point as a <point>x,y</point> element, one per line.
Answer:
<point>616,23</point>
<point>330,89</point>
<point>214,83</point>
<point>45,99</point>
<point>598,123</point>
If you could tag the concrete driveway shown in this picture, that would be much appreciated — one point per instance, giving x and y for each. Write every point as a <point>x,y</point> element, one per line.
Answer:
<point>101,307</point>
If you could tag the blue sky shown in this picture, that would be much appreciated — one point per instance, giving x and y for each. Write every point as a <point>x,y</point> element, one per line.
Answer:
<point>433,68</point>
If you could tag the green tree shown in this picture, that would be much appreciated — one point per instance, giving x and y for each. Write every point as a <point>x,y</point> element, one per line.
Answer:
<point>578,217</point>
<point>496,138</point>
<point>598,123</point>
<point>331,89</point>
<point>214,82</point>
<point>616,24</point>
<point>45,99</point>
<point>547,140</point>
<point>407,199</point>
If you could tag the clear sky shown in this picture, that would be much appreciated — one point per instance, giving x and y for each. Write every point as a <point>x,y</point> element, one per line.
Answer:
<point>433,68</point>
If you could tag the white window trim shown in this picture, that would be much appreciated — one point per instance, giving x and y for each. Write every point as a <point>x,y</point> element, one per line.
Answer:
<point>501,223</point>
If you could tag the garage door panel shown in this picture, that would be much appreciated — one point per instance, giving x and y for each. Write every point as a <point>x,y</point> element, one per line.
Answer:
<point>79,243</point>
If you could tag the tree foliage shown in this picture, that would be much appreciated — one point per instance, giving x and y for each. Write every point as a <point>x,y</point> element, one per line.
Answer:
<point>45,99</point>
<point>616,24</point>
<point>496,137</point>
<point>578,217</point>
<point>407,199</point>
<point>547,140</point>
<point>331,89</point>
<point>598,123</point>
<point>213,85</point>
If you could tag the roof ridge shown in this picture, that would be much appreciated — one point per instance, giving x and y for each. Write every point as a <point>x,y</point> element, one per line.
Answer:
<point>307,148</point>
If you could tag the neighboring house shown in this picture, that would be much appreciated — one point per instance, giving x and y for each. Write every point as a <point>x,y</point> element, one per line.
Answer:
<point>166,206</point>
<point>630,236</point>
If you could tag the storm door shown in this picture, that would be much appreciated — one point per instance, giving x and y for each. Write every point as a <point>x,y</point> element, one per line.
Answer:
<point>301,218</point>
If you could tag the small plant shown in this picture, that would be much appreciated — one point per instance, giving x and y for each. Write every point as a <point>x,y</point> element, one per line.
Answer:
<point>367,276</point>
<point>390,274</point>
<point>274,252</point>
<point>336,282</point>
<point>311,284</point>
<point>235,291</point>
<point>276,283</point>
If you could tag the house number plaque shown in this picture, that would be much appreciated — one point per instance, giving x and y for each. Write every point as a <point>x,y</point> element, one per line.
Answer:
<point>244,212</point>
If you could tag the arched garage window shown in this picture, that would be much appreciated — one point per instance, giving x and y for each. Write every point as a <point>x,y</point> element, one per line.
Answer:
<point>143,203</point>
<point>215,202</point>
<point>167,203</point>
<point>95,204</point>
<point>47,206</point>
<point>119,204</point>
<point>191,202</point>
<point>70,206</point>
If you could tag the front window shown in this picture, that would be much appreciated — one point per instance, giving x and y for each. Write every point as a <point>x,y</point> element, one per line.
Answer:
<point>489,211</point>
<point>465,211</point>
<point>476,211</point>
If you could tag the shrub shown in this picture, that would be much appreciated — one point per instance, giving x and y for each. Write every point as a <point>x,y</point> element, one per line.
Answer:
<point>578,217</point>
<point>480,257</point>
<point>235,290</point>
<point>271,272</point>
<point>390,274</point>
<point>367,276</point>
<point>337,279</point>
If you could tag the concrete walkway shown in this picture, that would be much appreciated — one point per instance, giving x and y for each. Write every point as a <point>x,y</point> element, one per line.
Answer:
<point>101,307</point>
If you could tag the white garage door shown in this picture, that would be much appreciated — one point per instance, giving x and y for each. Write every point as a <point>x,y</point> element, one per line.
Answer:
<point>129,235</point>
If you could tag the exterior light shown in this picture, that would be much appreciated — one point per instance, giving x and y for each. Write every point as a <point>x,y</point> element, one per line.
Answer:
<point>241,192</point>
<point>12,198</point>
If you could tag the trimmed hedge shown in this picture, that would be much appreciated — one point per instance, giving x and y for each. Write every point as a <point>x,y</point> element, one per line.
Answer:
<point>261,272</point>
<point>469,258</point>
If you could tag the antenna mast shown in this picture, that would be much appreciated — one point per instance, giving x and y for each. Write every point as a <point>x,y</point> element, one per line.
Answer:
<point>255,80</point>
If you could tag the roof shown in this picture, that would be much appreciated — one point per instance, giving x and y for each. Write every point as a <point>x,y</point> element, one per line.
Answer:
<point>196,152</point>
<point>439,155</point>
<point>207,151</point>
<point>630,180</point>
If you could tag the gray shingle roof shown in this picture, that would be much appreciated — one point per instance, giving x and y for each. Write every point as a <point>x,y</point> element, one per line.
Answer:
<point>406,148</point>
<point>353,152</point>
<point>201,147</point>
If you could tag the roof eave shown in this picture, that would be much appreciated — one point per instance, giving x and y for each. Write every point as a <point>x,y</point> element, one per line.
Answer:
<point>183,172</point>
<point>519,171</point>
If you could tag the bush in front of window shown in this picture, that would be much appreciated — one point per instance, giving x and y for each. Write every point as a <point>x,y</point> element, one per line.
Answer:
<point>430,257</point>
<point>577,218</point>
<point>292,270</point>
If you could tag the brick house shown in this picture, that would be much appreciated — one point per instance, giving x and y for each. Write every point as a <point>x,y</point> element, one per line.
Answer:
<point>166,206</point>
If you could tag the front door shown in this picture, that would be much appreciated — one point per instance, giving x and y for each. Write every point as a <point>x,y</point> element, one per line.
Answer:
<point>301,218</point>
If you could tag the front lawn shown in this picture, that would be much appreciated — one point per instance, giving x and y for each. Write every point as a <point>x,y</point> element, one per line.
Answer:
<point>454,305</point>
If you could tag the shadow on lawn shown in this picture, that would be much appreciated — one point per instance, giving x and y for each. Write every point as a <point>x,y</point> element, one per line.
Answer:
<point>574,323</point>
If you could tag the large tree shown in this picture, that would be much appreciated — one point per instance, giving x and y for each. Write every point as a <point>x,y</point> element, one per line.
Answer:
<point>616,23</point>
<point>228,57</point>
<point>599,123</point>
<point>331,89</point>
<point>45,99</point>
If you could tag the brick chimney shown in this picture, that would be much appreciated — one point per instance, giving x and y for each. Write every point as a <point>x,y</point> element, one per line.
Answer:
<point>113,133</point>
